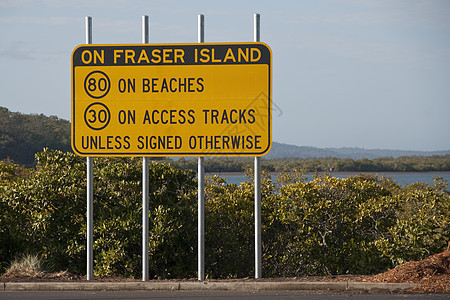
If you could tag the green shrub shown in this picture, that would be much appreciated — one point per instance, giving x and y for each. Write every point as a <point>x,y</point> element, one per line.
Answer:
<point>360,225</point>
<point>46,213</point>
<point>326,227</point>
<point>229,246</point>
<point>10,175</point>
<point>118,219</point>
<point>422,223</point>
<point>47,210</point>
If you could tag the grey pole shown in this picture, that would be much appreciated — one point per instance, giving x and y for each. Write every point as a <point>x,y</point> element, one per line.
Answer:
<point>201,28</point>
<point>89,188</point>
<point>145,183</point>
<point>258,268</point>
<point>201,219</point>
<point>256,28</point>
<point>201,183</point>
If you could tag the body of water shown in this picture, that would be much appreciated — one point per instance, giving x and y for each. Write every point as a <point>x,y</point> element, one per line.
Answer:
<point>403,178</point>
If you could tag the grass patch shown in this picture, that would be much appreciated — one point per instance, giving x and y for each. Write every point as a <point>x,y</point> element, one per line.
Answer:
<point>28,265</point>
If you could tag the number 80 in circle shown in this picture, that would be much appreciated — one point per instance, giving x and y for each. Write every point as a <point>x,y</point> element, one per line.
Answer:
<point>97,84</point>
<point>97,116</point>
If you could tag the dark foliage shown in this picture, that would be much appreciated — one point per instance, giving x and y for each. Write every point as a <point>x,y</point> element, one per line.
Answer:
<point>330,164</point>
<point>357,225</point>
<point>23,135</point>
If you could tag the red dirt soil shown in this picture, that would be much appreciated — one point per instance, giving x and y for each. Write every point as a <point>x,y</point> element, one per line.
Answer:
<point>432,273</point>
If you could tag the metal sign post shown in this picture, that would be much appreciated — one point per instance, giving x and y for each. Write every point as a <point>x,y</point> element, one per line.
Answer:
<point>201,184</point>
<point>89,188</point>
<point>258,268</point>
<point>145,182</point>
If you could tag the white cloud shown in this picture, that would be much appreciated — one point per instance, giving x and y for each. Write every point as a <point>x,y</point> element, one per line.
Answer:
<point>91,4</point>
<point>21,50</point>
<point>356,13</point>
<point>18,51</point>
<point>21,20</point>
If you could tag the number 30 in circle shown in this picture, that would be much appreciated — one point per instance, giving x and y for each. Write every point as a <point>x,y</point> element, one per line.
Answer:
<point>97,84</point>
<point>97,116</point>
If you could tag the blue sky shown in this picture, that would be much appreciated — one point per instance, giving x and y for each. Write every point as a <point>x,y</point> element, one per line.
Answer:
<point>346,73</point>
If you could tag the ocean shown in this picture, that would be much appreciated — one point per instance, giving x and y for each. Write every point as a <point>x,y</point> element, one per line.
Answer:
<point>402,178</point>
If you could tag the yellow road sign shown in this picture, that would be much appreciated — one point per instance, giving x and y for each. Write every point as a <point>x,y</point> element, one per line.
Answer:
<point>172,99</point>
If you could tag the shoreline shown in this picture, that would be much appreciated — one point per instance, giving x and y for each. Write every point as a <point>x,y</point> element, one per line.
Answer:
<point>333,172</point>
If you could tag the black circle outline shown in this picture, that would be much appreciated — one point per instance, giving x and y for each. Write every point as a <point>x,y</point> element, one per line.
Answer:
<point>104,94</point>
<point>107,109</point>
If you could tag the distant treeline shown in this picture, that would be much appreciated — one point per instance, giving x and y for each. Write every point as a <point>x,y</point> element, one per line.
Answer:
<point>24,135</point>
<point>330,164</point>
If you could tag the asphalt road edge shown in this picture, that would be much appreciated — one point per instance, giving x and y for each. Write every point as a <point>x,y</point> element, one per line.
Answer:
<point>205,285</point>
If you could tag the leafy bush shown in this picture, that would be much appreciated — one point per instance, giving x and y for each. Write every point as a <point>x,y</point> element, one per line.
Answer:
<point>362,224</point>
<point>422,223</point>
<point>118,219</point>
<point>229,246</point>
<point>327,226</point>
<point>47,210</point>
<point>45,213</point>
<point>10,176</point>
